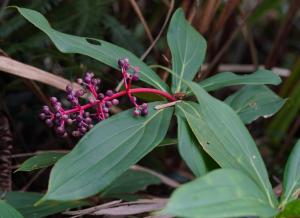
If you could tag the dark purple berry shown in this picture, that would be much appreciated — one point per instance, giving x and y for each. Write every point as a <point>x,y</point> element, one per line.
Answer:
<point>83,130</point>
<point>79,93</point>
<point>69,88</point>
<point>135,77</point>
<point>108,104</point>
<point>60,130</point>
<point>121,63</point>
<point>144,106</point>
<point>100,96</point>
<point>144,112</point>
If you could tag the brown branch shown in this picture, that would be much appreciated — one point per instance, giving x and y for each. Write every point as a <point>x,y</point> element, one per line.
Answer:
<point>8,65</point>
<point>282,33</point>
<point>32,180</point>
<point>141,17</point>
<point>119,86</point>
<point>166,180</point>
<point>6,146</point>
<point>161,30</point>
<point>208,14</point>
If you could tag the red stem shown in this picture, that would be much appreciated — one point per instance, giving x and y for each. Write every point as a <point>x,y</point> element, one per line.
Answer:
<point>120,94</point>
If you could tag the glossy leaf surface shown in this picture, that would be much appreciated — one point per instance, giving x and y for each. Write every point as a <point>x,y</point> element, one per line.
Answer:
<point>225,138</point>
<point>189,148</point>
<point>106,152</point>
<point>220,193</point>
<point>188,49</point>
<point>98,49</point>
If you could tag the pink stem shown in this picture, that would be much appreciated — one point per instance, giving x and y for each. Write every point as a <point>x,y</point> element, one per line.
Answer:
<point>120,94</point>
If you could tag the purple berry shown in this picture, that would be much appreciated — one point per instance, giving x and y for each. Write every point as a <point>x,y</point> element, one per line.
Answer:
<point>121,63</point>
<point>49,122</point>
<point>105,110</point>
<point>145,112</point>
<point>76,133</point>
<point>69,88</point>
<point>135,77</point>
<point>136,112</point>
<point>79,93</point>
<point>42,116</point>
<point>60,130</point>
<point>115,102</point>
<point>53,100</point>
<point>79,81</point>
<point>100,96</point>
<point>144,106</point>
<point>108,104</point>
<point>69,121</point>
<point>109,93</point>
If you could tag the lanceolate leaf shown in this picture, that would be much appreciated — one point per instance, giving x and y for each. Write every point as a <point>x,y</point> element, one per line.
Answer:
<point>98,49</point>
<point>130,182</point>
<point>225,138</point>
<point>188,148</point>
<point>221,193</point>
<point>188,49</point>
<point>24,202</point>
<point>7,211</point>
<point>252,102</point>
<point>225,79</point>
<point>40,161</point>
<point>291,180</point>
<point>107,151</point>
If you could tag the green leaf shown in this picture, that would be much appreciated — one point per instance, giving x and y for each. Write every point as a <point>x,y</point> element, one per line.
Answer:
<point>106,152</point>
<point>225,138</point>
<point>98,49</point>
<point>7,211</point>
<point>291,210</point>
<point>252,102</point>
<point>24,202</point>
<point>291,179</point>
<point>40,161</point>
<point>188,148</point>
<point>221,80</point>
<point>188,49</point>
<point>130,182</point>
<point>221,193</point>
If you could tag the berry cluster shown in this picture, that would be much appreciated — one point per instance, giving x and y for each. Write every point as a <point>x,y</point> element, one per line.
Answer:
<point>82,118</point>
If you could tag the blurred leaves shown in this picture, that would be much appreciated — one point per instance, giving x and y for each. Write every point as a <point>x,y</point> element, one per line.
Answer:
<point>25,203</point>
<point>40,161</point>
